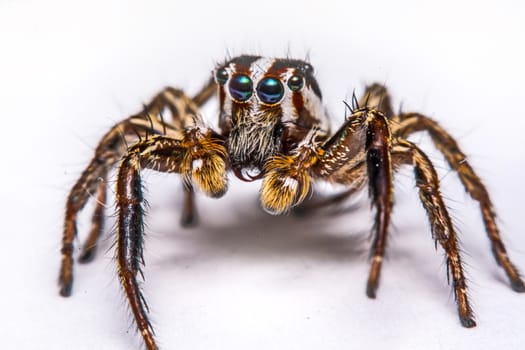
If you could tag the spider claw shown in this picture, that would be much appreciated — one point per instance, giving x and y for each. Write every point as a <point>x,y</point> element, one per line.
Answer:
<point>65,278</point>
<point>87,256</point>
<point>467,321</point>
<point>66,287</point>
<point>188,219</point>
<point>371,290</point>
<point>517,285</point>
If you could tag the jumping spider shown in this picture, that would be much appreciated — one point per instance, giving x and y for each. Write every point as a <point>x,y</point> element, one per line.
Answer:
<point>273,127</point>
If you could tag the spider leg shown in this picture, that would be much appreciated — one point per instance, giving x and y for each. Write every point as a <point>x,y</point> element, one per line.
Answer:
<point>183,110</point>
<point>106,155</point>
<point>441,225</point>
<point>189,215</point>
<point>198,158</point>
<point>457,160</point>
<point>379,168</point>
<point>364,141</point>
<point>112,146</point>
<point>376,97</point>
<point>207,91</point>
<point>97,224</point>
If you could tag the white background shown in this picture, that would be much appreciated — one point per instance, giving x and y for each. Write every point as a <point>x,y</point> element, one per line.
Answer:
<point>244,279</point>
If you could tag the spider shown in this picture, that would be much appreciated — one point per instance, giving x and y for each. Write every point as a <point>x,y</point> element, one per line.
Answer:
<point>272,127</point>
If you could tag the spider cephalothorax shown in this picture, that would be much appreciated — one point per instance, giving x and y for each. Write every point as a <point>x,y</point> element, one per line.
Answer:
<point>273,127</point>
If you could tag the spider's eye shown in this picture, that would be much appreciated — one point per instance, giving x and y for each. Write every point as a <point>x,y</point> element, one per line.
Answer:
<point>241,87</point>
<point>221,76</point>
<point>295,83</point>
<point>270,90</point>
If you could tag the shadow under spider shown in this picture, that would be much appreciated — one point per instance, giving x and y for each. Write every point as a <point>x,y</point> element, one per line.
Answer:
<point>255,235</point>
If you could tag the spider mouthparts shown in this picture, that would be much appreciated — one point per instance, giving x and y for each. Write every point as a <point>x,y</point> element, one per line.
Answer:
<point>244,174</point>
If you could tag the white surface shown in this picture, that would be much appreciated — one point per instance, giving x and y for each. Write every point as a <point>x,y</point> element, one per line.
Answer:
<point>243,279</point>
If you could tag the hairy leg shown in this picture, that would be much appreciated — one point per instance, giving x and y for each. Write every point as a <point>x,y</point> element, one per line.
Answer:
<point>364,140</point>
<point>457,160</point>
<point>376,97</point>
<point>379,168</point>
<point>165,155</point>
<point>106,155</point>
<point>97,224</point>
<point>112,146</point>
<point>441,225</point>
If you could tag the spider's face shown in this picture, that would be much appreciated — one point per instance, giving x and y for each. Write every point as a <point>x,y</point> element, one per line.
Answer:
<point>267,105</point>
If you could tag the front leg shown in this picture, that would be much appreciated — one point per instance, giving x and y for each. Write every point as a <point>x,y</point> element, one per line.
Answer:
<point>364,142</point>
<point>200,159</point>
<point>379,167</point>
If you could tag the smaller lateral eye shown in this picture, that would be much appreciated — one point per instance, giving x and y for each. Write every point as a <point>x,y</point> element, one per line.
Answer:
<point>296,83</point>
<point>221,76</point>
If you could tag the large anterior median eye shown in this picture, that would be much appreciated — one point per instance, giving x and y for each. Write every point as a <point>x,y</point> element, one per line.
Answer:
<point>241,87</point>
<point>270,90</point>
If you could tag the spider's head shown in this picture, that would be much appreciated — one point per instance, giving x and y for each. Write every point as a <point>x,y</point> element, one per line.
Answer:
<point>267,106</point>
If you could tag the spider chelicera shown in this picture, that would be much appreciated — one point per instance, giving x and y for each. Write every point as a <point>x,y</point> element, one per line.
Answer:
<point>273,127</point>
